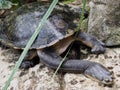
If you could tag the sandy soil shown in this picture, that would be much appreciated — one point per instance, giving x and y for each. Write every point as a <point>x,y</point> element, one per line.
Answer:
<point>39,77</point>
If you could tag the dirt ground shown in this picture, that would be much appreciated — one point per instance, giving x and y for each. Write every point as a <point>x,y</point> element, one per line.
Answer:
<point>39,77</point>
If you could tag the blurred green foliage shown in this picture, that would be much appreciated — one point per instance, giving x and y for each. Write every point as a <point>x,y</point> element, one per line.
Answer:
<point>68,1</point>
<point>7,4</point>
<point>4,4</point>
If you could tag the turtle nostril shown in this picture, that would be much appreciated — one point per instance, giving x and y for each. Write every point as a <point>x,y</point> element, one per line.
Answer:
<point>107,80</point>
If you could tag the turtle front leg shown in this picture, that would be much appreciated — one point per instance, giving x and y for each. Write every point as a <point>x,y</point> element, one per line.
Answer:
<point>92,69</point>
<point>30,60</point>
<point>92,42</point>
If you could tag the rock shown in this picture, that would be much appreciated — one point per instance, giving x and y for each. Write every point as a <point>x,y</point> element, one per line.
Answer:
<point>104,21</point>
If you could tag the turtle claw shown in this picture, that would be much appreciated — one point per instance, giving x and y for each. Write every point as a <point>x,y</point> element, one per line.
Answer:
<point>26,64</point>
<point>100,73</point>
<point>97,45</point>
<point>98,49</point>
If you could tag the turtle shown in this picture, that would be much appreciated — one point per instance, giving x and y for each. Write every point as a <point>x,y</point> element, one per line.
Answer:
<point>54,38</point>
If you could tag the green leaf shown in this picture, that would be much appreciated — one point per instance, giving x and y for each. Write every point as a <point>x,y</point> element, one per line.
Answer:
<point>68,1</point>
<point>5,4</point>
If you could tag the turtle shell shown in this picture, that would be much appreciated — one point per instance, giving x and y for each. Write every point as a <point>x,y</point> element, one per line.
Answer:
<point>22,23</point>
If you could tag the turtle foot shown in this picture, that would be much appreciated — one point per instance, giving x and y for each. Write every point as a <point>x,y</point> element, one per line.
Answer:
<point>26,64</point>
<point>29,63</point>
<point>100,73</point>
<point>92,42</point>
<point>98,46</point>
<point>97,49</point>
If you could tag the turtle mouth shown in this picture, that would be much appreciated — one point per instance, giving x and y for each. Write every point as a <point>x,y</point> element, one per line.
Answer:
<point>106,83</point>
<point>103,82</point>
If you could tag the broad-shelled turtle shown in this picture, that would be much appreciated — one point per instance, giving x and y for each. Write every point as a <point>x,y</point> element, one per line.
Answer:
<point>56,35</point>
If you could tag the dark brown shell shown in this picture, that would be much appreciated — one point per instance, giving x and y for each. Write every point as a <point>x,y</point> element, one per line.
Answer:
<point>21,24</point>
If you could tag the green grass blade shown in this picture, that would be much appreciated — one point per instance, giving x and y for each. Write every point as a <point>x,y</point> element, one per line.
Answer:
<point>30,43</point>
<point>82,16</point>
<point>61,63</point>
<point>78,28</point>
